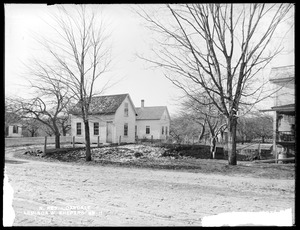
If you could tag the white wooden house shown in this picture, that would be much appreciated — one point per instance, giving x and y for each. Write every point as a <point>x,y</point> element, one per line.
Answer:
<point>111,117</point>
<point>283,80</point>
<point>114,119</point>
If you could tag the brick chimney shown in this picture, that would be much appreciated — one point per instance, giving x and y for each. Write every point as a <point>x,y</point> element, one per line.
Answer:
<point>142,103</point>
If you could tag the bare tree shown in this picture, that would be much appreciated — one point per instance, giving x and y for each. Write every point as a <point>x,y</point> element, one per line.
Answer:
<point>11,115</point>
<point>64,123</point>
<point>31,126</point>
<point>208,116</point>
<point>184,126</point>
<point>255,125</point>
<point>78,56</point>
<point>242,131</point>
<point>47,130</point>
<point>219,50</point>
<point>189,110</point>
<point>50,101</point>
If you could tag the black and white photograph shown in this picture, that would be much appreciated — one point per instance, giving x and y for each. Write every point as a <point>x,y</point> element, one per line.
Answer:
<point>149,115</point>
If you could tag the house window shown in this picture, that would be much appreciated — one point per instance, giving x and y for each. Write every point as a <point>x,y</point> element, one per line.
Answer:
<point>15,129</point>
<point>126,110</point>
<point>96,128</point>
<point>78,128</point>
<point>147,129</point>
<point>125,129</point>
<point>166,130</point>
<point>162,130</point>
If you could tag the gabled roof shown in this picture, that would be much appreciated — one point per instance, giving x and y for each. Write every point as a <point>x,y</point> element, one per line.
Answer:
<point>150,113</point>
<point>282,73</point>
<point>103,104</point>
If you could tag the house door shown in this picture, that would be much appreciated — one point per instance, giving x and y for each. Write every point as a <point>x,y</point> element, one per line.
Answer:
<point>109,131</point>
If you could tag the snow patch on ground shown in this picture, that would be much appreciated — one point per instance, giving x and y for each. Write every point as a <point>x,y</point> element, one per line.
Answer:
<point>281,218</point>
<point>8,195</point>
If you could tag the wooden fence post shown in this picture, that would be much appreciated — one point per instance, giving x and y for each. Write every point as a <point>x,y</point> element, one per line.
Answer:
<point>73,142</point>
<point>119,140</point>
<point>276,154</point>
<point>98,141</point>
<point>151,139</point>
<point>45,145</point>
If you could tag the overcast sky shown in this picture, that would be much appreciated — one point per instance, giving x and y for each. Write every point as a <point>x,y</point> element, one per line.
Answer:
<point>22,21</point>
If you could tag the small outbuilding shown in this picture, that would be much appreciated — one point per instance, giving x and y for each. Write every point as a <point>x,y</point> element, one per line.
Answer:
<point>13,130</point>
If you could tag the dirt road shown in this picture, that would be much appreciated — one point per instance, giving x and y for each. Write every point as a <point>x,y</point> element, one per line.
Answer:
<point>65,194</point>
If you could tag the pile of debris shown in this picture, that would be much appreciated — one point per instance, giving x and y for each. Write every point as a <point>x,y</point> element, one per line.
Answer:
<point>35,152</point>
<point>111,153</point>
<point>128,153</point>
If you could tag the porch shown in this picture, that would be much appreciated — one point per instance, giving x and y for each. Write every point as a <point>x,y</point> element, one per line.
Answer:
<point>284,124</point>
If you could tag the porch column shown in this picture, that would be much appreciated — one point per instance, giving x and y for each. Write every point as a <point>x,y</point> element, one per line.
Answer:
<point>275,128</point>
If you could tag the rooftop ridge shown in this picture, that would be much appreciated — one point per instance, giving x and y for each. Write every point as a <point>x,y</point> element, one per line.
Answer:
<point>162,106</point>
<point>104,104</point>
<point>111,95</point>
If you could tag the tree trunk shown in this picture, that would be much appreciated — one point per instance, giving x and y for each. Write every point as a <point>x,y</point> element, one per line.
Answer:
<point>213,148</point>
<point>222,136</point>
<point>231,144</point>
<point>201,133</point>
<point>63,131</point>
<point>56,134</point>
<point>57,140</point>
<point>88,156</point>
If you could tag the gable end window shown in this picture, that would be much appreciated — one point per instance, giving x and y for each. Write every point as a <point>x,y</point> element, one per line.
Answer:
<point>125,129</point>
<point>126,109</point>
<point>147,129</point>
<point>96,128</point>
<point>78,128</point>
<point>166,130</point>
<point>162,130</point>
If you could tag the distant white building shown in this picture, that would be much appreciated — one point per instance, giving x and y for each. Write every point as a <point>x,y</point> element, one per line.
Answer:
<point>14,130</point>
<point>152,122</point>
<point>13,126</point>
<point>114,118</point>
